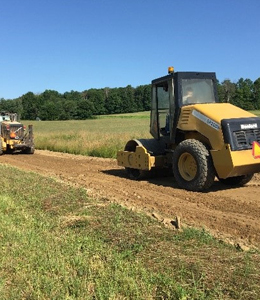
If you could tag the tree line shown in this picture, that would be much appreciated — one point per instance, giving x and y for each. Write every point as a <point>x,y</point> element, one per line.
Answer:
<point>73,105</point>
<point>52,105</point>
<point>244,93</point>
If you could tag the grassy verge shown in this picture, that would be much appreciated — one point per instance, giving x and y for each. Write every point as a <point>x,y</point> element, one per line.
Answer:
<point>101,137</point>
<point>57,243</point>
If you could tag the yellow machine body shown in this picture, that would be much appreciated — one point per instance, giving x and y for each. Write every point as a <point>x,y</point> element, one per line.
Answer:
<point>195,135</point>
<point>203,122</point>
<point>14,136</point>
<point>140,159</point>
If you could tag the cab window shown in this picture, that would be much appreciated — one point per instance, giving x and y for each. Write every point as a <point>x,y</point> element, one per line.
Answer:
<point>163,108</point>
<point>197,91</point>
<point>162,96</point>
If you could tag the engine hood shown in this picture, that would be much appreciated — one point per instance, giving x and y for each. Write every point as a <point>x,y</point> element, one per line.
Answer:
<point>220,111</point>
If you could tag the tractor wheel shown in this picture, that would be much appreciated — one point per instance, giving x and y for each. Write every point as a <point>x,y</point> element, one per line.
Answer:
<point>237,180</point>
<point>135,173</point>
<point>192,166</point>
<point>29,150</point>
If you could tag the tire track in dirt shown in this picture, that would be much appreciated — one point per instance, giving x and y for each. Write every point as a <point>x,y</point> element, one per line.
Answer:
<point>231,214</point>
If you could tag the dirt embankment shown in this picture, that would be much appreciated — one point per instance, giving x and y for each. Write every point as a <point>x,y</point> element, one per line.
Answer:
<point>229,213</point>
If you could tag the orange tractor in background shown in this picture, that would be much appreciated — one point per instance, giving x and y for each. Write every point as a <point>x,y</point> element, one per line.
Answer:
<point>14,135</point>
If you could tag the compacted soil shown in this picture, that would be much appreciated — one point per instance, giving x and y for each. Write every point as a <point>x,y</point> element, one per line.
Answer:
<point>230,214</point>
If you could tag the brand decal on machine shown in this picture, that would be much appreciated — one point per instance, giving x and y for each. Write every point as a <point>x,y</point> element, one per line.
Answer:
<point>205,119</point>
<point>248,126</point>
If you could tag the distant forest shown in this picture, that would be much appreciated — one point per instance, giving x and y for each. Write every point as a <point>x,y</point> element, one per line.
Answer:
<point>73,105</point>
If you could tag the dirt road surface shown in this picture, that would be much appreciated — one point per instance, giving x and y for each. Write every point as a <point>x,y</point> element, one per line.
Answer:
<point>231,214</point>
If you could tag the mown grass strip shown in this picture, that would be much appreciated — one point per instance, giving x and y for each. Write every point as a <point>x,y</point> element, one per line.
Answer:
<point>57,243</point>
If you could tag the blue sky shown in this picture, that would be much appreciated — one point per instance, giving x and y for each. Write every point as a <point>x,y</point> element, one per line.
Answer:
<point>66,45</point>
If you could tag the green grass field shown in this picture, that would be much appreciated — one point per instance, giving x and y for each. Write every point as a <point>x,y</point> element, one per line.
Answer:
<point>57,243</point>
<point>256,112</point>
<point>100,137</point>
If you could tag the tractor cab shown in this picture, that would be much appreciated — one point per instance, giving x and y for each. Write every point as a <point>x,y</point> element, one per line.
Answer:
<point>173,92</point>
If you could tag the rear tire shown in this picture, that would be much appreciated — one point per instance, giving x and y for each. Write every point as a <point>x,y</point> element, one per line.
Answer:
<point>237,180</point>
<point>192,166</point>
<point>29,150</point>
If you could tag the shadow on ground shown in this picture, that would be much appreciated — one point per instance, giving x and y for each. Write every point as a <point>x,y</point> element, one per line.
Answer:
<point>167,180</point>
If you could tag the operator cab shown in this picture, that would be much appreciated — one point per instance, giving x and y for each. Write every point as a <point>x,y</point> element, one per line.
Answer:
<point>173,92</point>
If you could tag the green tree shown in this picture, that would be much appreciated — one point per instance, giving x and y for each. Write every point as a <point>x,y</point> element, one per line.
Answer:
<point>142,97</point>
<point>226,91</point>
<point>50,95</point>
<point>256,93</point>
<point>97,97</point>
<point>50,111</point>
<point>73,96</point>
<point>113,103</point>
<point>13,106</point>
<point>85,110</point>
<point>69,110</point>
<point>52,106</point>
<point>127,99</point>
<point>244,94</point>
<point>31,106</point>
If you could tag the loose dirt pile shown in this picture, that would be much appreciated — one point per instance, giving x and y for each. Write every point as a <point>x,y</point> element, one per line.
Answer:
<point>231,214</point>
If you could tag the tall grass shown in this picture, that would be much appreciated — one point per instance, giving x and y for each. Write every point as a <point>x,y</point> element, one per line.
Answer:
<point>256,112</point>
<point>57,243</point>
<point>101,137</point>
